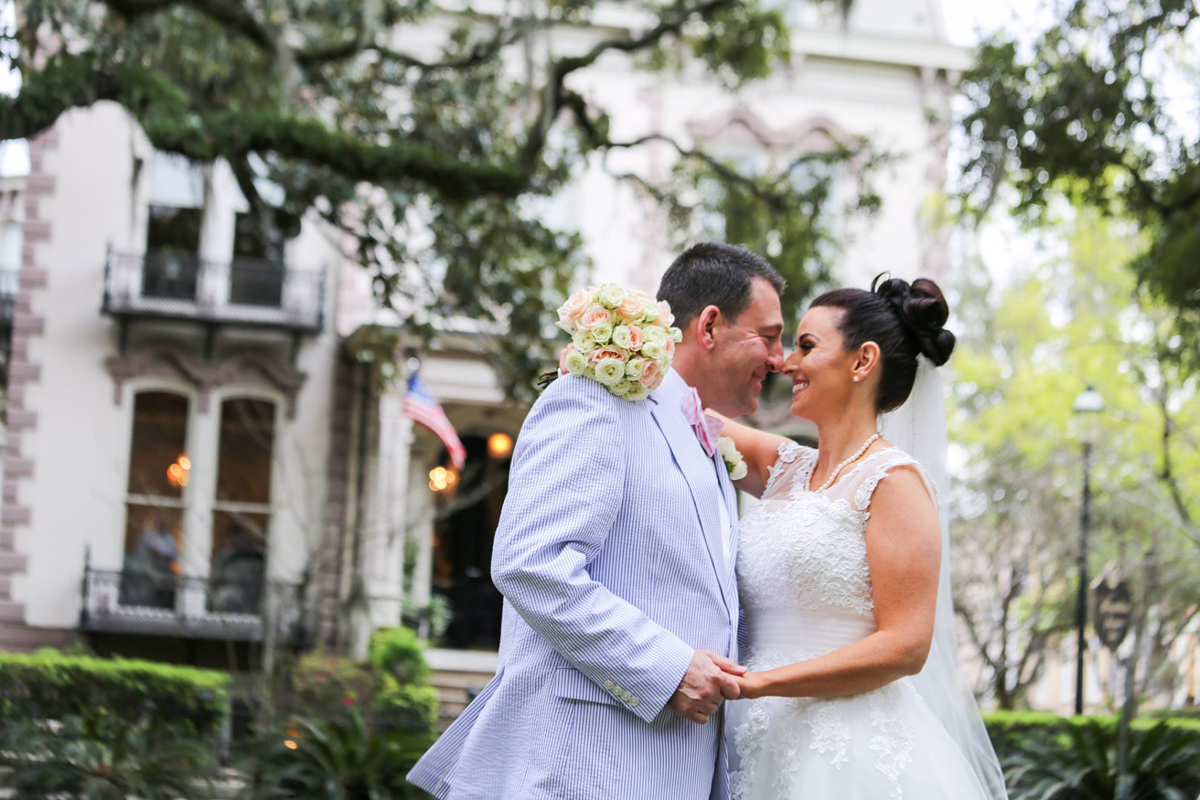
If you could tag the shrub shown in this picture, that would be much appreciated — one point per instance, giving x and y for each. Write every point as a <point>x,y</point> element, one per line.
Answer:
<point>1164,762</point>
<point>161,698</point>
<point>344,758</point>
<point>76,759</point>
<point>390,688</point>
<point>327,682</point>
<point>1071,758</point>
<point>398,652</point>
<point>406,706</point>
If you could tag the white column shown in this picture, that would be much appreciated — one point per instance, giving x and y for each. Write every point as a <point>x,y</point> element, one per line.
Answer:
<point>419,525</point>
<point>383,548</point>
<point>202,442</point>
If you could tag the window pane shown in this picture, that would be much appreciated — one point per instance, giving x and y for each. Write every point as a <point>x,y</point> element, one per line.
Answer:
<point>256,278</point>
<point>244,458</point>
<point>158,464</point>
<point>172,262</point>
<point>238,561</point>
<point>249,241</point>
<point>174,229</point>
<point>153,536</point>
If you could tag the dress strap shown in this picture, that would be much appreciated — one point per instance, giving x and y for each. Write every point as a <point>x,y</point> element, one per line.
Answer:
<point>788,451</point>
<point>894,457</point>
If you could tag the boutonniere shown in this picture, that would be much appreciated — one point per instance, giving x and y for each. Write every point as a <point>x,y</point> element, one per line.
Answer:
<point>622,339</point>
<point>733,458</point>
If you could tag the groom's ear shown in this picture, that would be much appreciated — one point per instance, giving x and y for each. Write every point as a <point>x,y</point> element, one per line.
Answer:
<point>706,323</point>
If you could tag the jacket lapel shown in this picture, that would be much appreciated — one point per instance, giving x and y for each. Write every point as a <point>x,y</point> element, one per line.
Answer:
<point>731,498</point>
<point>697,472</point>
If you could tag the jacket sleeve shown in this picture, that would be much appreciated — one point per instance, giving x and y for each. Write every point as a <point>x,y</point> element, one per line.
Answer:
<point>565,489</point>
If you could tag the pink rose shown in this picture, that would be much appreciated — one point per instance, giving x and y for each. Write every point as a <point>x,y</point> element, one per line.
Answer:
<point>636,338</point>
<point>651,372</point>
<point>574,306</point>
<point>664,314</point>
<point>670,348</point>
<point>600,353</point>
<point>630,309</point>
<point>594,315</point>
<point>562,358</point>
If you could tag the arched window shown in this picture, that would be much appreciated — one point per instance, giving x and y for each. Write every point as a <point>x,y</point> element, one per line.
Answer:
<point>242,509</point>
<point>158,472</point>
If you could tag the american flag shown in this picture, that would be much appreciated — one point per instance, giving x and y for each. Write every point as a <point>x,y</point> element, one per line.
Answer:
<point>421,408</point>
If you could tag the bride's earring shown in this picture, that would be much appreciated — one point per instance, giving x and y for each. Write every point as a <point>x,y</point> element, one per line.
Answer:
<point>856,379</point>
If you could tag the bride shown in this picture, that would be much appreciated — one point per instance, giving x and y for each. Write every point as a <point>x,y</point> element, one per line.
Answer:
<point>853,688</point>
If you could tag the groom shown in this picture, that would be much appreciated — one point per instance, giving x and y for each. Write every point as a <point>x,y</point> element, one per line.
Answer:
<point>615,554</point>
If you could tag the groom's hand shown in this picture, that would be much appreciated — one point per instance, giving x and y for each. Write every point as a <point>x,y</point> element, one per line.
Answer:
<point>707,683</point>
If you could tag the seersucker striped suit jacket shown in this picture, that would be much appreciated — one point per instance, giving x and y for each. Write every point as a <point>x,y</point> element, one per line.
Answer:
<point>610,557</point>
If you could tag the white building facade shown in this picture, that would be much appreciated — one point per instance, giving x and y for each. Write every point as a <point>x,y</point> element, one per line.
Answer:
<point>180,405</point>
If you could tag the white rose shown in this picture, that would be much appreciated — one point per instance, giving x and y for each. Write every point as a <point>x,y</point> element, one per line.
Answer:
<point>738,471</point>
<point>653,350</point>
<point>584,341</point>
<point>637,392</point>
<point>622,337</point>
<point>611,295</point>
<point>575,362</point>
<point>728,449</point>
<point>601,333</point>
<point>609,371</point>
<point>621,388</point>
<point>633,370</point>
<point>654,333</point>
<point>676,334</point>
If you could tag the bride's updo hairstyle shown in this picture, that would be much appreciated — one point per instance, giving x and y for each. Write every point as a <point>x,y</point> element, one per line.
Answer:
<point>904,320</point>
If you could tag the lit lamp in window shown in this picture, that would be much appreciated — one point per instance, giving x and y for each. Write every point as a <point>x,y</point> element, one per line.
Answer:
<point>499,445</point>
<point>443,480</point>
<point>177,473</point>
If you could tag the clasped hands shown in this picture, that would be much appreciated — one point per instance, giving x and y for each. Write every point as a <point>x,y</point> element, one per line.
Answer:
<point>710,680</point>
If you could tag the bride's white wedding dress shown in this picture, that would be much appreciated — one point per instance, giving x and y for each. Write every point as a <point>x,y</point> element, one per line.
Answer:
<point>806,590</point>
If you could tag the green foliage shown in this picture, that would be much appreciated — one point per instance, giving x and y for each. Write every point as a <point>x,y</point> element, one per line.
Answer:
<point>398,652</point>
<point>328,682</point>
<point>1025,352</point>
<point>1086,108</point>
<point>81,757</point>
<point>141,696</point>
<point>390,688</point>
<point>343,758</point>
<point>1080,763</point>
<point>437,173</point>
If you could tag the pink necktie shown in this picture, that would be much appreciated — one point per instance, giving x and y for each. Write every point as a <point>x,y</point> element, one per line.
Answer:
<point>708,429</point>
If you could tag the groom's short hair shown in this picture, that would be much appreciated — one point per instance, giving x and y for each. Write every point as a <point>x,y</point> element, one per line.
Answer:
<point>714,274</point>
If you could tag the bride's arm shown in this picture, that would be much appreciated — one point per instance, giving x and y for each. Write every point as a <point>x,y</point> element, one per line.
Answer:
<point>904,553</point>
<point>758,448</point>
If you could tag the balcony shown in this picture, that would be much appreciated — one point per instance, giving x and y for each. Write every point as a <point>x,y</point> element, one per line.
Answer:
<point>245,291</point>
<point>127,601</point>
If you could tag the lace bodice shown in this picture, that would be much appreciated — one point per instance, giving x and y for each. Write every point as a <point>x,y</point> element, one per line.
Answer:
<point>807,550</point>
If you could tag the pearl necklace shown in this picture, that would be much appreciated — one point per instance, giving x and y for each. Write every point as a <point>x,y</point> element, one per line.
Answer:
<point>843,465</point>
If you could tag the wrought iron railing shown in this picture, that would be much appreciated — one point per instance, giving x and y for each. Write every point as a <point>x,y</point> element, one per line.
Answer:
<point>132,601</point>
<point>183,286</point>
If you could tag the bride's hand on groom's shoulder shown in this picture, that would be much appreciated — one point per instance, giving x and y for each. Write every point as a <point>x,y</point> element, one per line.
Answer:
<point>710,680</point>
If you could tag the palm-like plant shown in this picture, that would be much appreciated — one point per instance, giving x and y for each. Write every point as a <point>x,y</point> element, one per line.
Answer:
<point>88,760</point>
<point>343,758</point>
<point>1164,764</point>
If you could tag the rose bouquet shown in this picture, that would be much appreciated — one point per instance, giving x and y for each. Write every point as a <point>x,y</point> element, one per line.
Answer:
<point>622,339</point>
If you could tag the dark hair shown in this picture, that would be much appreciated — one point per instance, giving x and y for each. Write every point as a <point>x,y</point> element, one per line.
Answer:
<point>714,274</point>
<point>904,320</point>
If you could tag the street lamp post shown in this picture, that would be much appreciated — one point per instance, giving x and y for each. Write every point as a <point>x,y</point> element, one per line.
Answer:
<point>1088,406</point>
